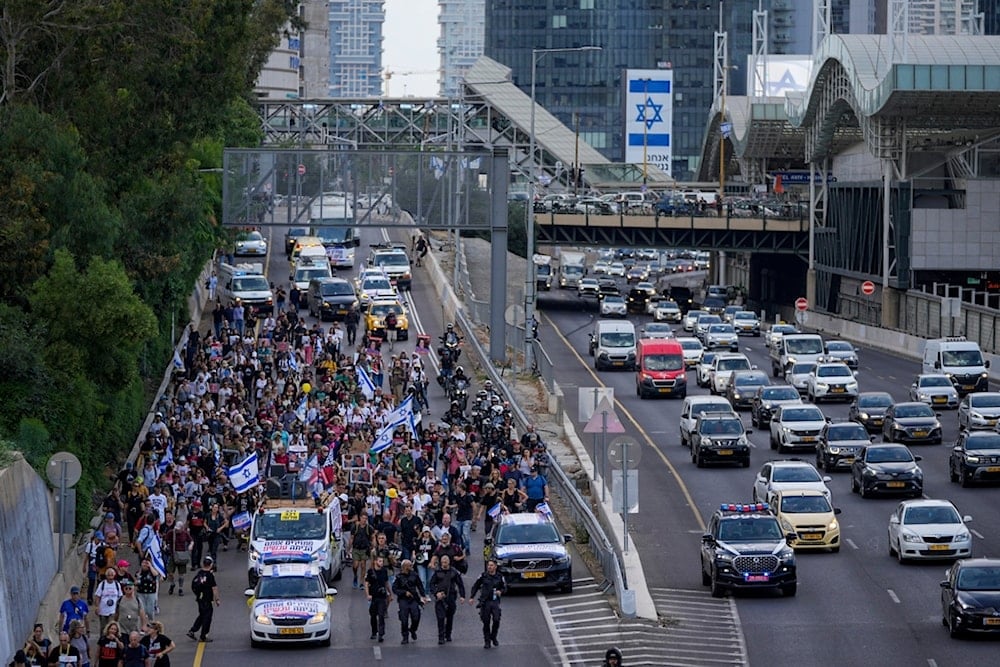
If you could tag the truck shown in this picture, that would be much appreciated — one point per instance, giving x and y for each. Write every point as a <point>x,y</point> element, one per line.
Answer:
<point>795,348</point>
<point>543,271</point>
<point>331,219</point>
<point>572,267</point>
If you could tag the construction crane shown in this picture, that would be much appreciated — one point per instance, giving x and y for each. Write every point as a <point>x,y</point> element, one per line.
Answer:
<point>389,73</point>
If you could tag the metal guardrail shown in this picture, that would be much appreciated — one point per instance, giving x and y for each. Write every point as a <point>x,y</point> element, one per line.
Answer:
<point>543,366</point>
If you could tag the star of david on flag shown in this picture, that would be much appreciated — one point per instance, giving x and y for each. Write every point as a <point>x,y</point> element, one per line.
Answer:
<point>643,116</point>
<point>245,475</point>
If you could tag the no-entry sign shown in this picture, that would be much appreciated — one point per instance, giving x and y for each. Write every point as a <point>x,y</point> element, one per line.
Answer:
<point>867,288</point>
<point>801,304</point>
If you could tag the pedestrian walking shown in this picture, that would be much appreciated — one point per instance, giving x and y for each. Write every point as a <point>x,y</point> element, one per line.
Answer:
<point>106,597</point>
<point>90,552</point>
<point>411,595</point>
<point>446,586</point>
<point>351,321</point>
<point>196,528</point>
<point>147,589</point>
<point>379,596</point>
<point>362,535</point>
<point>158,645</point>
<point>131,613</point>
<point>177,547</point>
<point>490,586</point>
<point>79,639</point>
<point>135,654</point>
<point>215,524</point>
<point>73,609</point>
<point>64,653</point>
<point>206,592</point>
<point>536,488</point>
<point>110,647</point>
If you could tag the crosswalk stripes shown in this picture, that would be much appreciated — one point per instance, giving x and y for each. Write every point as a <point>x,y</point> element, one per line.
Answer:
<point>694,629</point>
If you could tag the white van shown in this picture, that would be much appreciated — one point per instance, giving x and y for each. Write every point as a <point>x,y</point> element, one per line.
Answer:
<point>795,348</point>
<point>296,531</point>
<point>961,360</point>
<point>246,283</point>
<point>612,345</point>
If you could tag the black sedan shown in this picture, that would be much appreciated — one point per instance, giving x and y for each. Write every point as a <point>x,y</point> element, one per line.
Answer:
<point>767,400</point>
<point>839,444</point>
<point>743,386</point>
<point>970,597</point>
<point>883,468</point>
<point>975,458</point>
<point>911,422</point>
<point>869,409</point>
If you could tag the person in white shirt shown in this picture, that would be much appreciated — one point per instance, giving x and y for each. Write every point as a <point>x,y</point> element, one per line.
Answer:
<point>158,502</point>
<point>106,597</point>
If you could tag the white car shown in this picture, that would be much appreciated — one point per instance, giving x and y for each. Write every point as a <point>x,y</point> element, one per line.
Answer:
<point>290,603</point>
<point>253,243</point>
<point>928,529</point>
<point>665,310</point>
<point>601,267</point>
<point>723,367</point>
<point>774,334</point>
<point>693,350</point>
<point>785,476</point>
<point>657,330</point>
<point>588,287</point>
<point>616,269</point>
<point>375,286</point>
<point>934,389</point>
<point>691,319</point>
<point>703,369</point>
<point>694,406</point>
<point>722,335</point>
<point>798,375</point>
<point>705,320</point>
<point>841,350</point>
<point>831,381</point>
<point>796,427</point>
<point>613,305</point>
<point>979,410</point>
<point>746,322</point>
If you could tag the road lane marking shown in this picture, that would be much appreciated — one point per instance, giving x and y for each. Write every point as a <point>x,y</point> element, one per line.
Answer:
<point>851,543</point>
<point>628,415</point>
<point>931,662</point>
<point>377,650</point>
<point>892,594</point>
<point>199,653</point>
<point>553,631</point>
<point>977,533</point>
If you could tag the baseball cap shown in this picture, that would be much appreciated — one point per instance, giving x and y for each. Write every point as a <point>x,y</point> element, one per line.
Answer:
<point>75,590</point>
<point>196,503</point>
<point>109,515</point>
<point>99,535</point>
<point>207,560</point>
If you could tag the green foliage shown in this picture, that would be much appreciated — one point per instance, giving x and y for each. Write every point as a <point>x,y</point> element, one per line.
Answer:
<point>517,236</point>
<point>34,442</point>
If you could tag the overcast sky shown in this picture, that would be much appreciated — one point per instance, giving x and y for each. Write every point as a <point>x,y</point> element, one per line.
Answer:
<point>411,32</point>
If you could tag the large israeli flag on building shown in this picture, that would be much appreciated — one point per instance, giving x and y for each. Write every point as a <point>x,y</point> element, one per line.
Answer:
<point>649,117</point>
<point>245,475</point>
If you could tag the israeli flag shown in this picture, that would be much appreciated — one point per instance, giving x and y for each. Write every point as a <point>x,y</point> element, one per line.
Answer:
<point>310,470</point>
<point>384,438</point>
<point>293,362</point>
<point>168,458</point>
<point>245,475</point>
<point>241,521</point>
<point>365,383</point>
<point>155,553</point>
<point>331,458</point>
<point>178,363</point>
<point>301,411</point>
<point>496,510</point>
<point>405,411</point>
<point>544,510</point>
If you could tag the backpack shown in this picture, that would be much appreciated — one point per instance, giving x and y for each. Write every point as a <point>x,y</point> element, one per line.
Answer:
<point>101,560</point>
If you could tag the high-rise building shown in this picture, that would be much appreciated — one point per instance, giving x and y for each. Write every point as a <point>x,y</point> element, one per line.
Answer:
<point>940,17</point>
<point>461,41</point>
<point>355,36</point>
<point>991,16</point>
<point>646,34</point>
<point>279,78</point>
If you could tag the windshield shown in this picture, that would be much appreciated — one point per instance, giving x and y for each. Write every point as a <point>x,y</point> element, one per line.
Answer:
<point>979,579</point>
<point>920,410</point>
<point>613,298</point>
<point>744,315</point>
<point>383,309</point>
<point>250,284</point>
<point>803,369</point>
<point>618,339</point>
<point>847,432</point>
<point>337,289</point>
<point>749,530</point>
<point>750,380</point>
<point>706,320</point>
<point>889,455</point>
<point>961,358</point>
<point>658,328</point>
<point>781,393</point>
<point>733,365</point>
<point>925,515</point>
<point>837,371</point>
<point>935,381</point>
<point>722,427</point>
<point>309,526</point>
<point>795,474</point>
<point>875,401</point>
<point>983,441</point>
<point>668,305</point>
<point>252,236</point>
<point>532,533</point>
<point>803,345</point>
<point>802,415</point>
<point>381,282</point>
<point>333,235</point>
<point>290,587</point>
<point>805,505</point>
<point>663,362</point>
<point>782,329</point>
<point>692,345</point>
<point>305,275</point>
<point>391,259</point>
<point>985,401</point>
<point>839,346</point>
<point>721,328</point>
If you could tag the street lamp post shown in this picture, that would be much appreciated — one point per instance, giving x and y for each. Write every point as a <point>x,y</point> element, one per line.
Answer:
<point>530,284</point>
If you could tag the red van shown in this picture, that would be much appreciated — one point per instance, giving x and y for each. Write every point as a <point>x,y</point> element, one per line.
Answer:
<point>660,369</point>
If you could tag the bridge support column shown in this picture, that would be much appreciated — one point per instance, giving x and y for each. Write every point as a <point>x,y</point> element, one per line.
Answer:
<point>721,270</point>
<point>499,170</point>
<point>890,308</point>
<point>811,287</point>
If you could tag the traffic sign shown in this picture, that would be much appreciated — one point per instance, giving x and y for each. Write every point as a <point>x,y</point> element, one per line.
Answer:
<point>867,288</point>
<point>302,170</point>
<point>624,452</point>
<point>801,304</point>
<point>604,420</point>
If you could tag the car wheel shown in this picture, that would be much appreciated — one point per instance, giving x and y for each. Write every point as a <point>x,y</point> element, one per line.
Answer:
<point>698,461</point>
<point>966,480</point>
<point>899,555</point>
<point>854,484</point>
<point>684,442</point>
<point>835,550</point>
<point>706,579</point>
<point>718,590</point>
<point>774,443</point>
<point>567,588</point>
<point>254,643</point>
<point>789,590</point>
<point>325,643</point>
<point>746,462</point>
<point>953,630</point>
<point>892,550</point>
<point>952,475</point>
<point>753,418</point>
<point>863,490</point>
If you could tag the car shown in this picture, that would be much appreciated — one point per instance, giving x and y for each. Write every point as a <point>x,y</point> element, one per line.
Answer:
<point>375,286</point>
<point>375,316</point>
<point>970,597</point>
<point>729,311</point>
<point>646,254</point>
<point>776,331</point>
<point>911,423</point>
<point>839,444</point>
<point>601,267</point>
<point>723,366</point>
<point>934,389</point>
<point>786,475</point>
<point>979,410</point>
<point>797,375</point>
<point>587,287</point>
<point>768,399</point>
<point>691,318</point>
<point>291,236</point>
<point>530,552</point>
<point>714,305</point>
<point>616,269</point>
<point>743,387</point>
<point>831,381</point>
<point>290,603</point>
<point>606,286</point>
<point>252,244</point>
<point>809,515</point>
<point>308,269</point>
<point>637,274</point>
<point>869,409</point>
<point>746,322</point>
<point>636,300</point>
<point>746,549</point>
<point>975,458</point>
<point>703,369</point>
<point>595,206</point>
<point>694,406</point>
<point>693,350</point>
<point>331,298</point>
<point>796,427</point>
<point>396,264</point>
<point>613,305</point>
<point>926,529</point>
<point>722,335</point>
<point>648,287</point>
<point>886,468</point>
<point>719,437</point>
<point>843,351</point>
<point>705,320</point>
<point>657,330</point>
<point>666,310</point>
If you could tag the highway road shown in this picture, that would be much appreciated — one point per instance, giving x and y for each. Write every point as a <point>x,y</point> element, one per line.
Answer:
<point>855,607</point>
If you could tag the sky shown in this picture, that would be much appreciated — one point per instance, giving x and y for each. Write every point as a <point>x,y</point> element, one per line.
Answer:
<point>410,45</point>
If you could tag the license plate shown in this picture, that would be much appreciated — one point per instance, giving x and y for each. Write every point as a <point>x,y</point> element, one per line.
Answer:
<point>939,547</point>
<point>847,459</point>
<point>725,452</point>
<point>808,438</point>
<point>533,575</point>
<point>991,422</point>
<point>896,485</point>
<point>752,578</point>
<point>919,434</point>
<point>617,363</point>
<point>837,390</point>
<point>993,469</point>
<point>992,621</point>
<point>878,422</point>
<point>291,631</point>
<point>968,387</point>
<point>812,536</point>
<point>940,399</point>
<point>665,390</point>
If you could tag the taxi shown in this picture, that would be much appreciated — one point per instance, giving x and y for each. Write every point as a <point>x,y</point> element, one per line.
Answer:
<point>376,313</point>
<point>808,515</point>
<point>290,603</point>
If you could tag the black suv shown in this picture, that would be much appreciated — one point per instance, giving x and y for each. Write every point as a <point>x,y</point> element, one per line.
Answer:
<point>719,437</point>
<point>839,444</point>
<point>975,458</point>
<point>636,300</point>
<point>745,548</point>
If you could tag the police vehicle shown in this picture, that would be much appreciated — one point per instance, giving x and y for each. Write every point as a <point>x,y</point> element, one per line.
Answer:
<point>290,603</point>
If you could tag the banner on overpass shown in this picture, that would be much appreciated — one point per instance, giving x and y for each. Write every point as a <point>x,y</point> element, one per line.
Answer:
<point>649,117</point>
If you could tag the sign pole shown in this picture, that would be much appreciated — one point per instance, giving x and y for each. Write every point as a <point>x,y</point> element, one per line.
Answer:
<point>625,507</point>
<point>597,457</point>
<point>604,442</point>
<point>62,509</point>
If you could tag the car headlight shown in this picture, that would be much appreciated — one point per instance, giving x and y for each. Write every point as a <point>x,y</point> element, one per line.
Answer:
<point>864,415</point>
<point>253,553</point>
<point>962,537</point>
<point>790,361</point>
<point>786,429</point>
<point>318,617</point>
<point>736,395</point>
<point>852,385</point>
<point>786,555</point>
<point>786,526</point>
<point>264,619</point>
<point>822,385</point>
<point>561,560</point>
<point>984,375</point>
<point>833,525</point>
<point>869,472</point>
<point>972,459</point>
<point>917,472</point>
<point>923,396</point>
<point>725,557</point>
<point>910,537</point>
<point>834,450</point>
<point>707,442</point>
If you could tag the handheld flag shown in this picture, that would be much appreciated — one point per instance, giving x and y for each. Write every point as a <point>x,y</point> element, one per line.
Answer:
<point>293,364</point>
<point>310,471</point>
<point>245,475</point>
<point>241,521</point>
<point>544,510</point>
<point>178,363</point>
<point>365,383</point>
<point>167,459</point>
<point>496,510</point>
<point>301,411</point>
<point>155,553</point>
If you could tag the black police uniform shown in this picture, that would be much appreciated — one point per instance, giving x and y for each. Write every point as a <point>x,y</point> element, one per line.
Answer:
<point>444,586</point>
<point>409,592</point>
<point>489,587</point>
<point>378,589</point>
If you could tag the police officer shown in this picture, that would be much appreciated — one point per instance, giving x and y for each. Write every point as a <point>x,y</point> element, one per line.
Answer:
<point>379,596</point>
<point>446,585</point>
<point>490,586</point>
<point>411,595</point>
